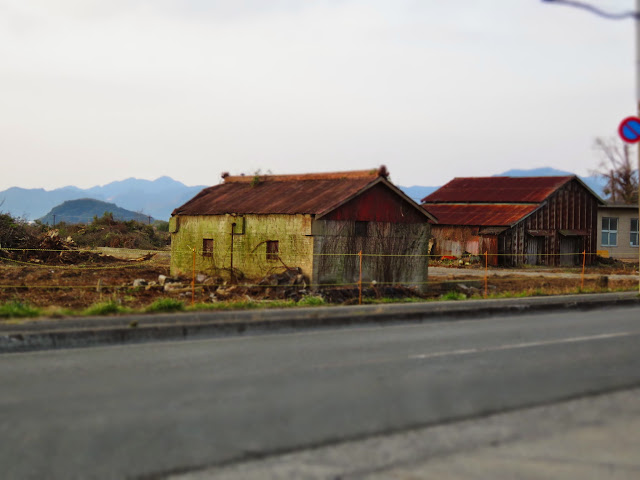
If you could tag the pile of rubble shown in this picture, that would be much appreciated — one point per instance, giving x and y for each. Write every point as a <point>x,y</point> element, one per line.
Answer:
<point>49,248</point>
<point>289,284</point>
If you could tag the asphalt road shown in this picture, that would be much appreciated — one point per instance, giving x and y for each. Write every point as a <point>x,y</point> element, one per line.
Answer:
<point>151,409</point>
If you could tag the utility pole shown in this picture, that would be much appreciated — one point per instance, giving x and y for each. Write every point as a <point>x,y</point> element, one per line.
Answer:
<point>637,30</point>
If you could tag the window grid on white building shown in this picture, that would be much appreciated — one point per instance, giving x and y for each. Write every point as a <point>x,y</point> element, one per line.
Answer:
<point>609,232</point>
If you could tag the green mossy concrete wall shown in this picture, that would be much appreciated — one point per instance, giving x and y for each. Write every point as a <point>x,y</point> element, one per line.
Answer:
<point>249,244</point>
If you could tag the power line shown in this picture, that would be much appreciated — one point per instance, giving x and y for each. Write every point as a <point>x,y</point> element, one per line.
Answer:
<point>596,10</point>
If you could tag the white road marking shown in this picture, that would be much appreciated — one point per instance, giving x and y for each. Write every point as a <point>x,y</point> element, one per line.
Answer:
<point>514,346</point>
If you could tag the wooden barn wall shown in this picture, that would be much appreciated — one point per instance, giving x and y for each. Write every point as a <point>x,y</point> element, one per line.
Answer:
<point>398,252</point>
<point>571,208</point>
<point>378,204</point>
<point>458,240</point>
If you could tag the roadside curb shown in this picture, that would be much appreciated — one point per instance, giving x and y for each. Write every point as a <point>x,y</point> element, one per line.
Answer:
<point>92,331</point>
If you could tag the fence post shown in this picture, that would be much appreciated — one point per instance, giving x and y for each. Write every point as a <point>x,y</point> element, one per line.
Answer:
<point>584,261</point>
<point>486,271</point>
<point>193,279</point>
<point>232,277</point>
<point>360,280</point>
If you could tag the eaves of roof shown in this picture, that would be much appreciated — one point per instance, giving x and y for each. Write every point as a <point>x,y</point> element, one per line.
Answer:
<point>484,215</point>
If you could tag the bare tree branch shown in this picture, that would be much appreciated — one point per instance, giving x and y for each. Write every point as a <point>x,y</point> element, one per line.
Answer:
<point>616,167</point>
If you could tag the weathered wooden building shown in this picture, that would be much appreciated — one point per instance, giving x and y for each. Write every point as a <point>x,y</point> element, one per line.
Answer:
<point>257,225</point>
<point>516,220</point>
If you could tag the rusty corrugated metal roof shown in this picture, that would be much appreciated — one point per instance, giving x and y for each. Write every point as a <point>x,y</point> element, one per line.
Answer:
<point>314,193</point>
<point>481,215</point>
<point>497,189</point>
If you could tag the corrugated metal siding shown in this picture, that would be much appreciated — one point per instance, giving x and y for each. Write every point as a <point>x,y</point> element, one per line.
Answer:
<point>497,189</point>
<point>458,240</point>
<point>481,215</point>
<point>378,204</point>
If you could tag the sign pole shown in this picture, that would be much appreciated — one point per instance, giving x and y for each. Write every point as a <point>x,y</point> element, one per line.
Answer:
<point>637,31</point>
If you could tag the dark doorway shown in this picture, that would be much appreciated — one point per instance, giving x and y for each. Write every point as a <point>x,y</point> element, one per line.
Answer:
<point>570,248</point>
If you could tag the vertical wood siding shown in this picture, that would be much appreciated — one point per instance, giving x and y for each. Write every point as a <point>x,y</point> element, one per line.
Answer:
<point>394,253</point>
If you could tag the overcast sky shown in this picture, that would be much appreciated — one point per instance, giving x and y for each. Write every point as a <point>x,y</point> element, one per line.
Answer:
<point>93,91</point>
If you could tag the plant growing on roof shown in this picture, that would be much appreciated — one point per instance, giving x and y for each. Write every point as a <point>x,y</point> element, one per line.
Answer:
<point>257,177</point>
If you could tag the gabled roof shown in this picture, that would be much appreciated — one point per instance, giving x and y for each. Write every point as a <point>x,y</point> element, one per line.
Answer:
<point>313,193</point>
<point>493,201</point>
<point>498,189</point>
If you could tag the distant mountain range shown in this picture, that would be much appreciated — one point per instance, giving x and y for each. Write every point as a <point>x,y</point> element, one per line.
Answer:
<point>159,197</point>
<point>85,209</point>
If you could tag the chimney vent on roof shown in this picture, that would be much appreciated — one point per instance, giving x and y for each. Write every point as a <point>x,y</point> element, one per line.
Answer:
<point>383,172</point>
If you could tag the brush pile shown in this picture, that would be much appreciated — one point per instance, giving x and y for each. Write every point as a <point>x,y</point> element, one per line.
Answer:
<point>26,243</point>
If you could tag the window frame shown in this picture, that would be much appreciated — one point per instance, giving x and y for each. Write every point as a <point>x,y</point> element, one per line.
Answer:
<point>361,228</point>
<point>609,232</point>
<point>272,250</point>
<point>634,233</point>
<point>207,247</point>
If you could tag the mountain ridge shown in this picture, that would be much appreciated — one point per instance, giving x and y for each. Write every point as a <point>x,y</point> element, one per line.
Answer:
<point>157,197</point>
<point>83,210</point>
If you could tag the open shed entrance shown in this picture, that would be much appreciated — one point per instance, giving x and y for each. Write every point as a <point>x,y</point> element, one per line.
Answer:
<point>535,250</point>
<point>571,246</point>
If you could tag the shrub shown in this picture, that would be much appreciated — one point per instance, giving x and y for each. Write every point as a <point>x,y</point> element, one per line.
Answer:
<point>17,233</point>
<point>105,308</point>
<point>16,309</point>
<point>453,296</point>
<point>161,226</point>
<point>165,305</point>
<point>107,232</point>
<point>311,301</point>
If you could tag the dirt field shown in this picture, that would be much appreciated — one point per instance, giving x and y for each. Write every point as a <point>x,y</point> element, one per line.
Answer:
<point>75,287</point>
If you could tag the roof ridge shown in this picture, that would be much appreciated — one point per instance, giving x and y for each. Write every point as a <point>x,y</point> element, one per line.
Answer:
<point>354,174</point>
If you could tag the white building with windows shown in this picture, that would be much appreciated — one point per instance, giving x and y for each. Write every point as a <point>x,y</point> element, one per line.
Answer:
<point>618,231</point>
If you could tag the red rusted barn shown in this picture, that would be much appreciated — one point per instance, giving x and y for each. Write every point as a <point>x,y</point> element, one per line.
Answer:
<point>317,223</point>
<point>516,220</point>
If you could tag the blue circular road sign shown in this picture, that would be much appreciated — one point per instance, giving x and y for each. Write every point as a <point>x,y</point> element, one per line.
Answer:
<point>629,129</point>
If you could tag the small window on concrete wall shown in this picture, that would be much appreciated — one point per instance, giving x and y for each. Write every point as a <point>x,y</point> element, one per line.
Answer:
<point>609,232</point>
<point>273,248</point>
<point>207,247</point>
<point>361,229</point>
<point>633,240</point>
